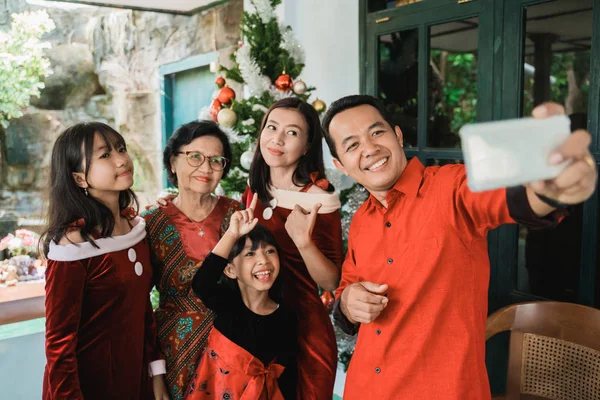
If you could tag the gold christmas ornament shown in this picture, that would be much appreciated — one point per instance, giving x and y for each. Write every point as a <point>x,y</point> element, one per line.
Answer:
<point>227,117</point>
<point>299,87</point>
<point>319,105</point>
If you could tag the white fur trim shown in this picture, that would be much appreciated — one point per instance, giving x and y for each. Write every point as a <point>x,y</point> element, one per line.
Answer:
<point>158,367</point>
<point>81,251</point>
<point>288,199</point>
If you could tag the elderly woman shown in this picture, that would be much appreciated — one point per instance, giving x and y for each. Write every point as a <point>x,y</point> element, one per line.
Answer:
<point>180,236</point>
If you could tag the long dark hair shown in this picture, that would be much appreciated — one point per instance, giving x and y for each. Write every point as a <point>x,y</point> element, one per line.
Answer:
<point>312,161</point>
<point>260,236</point>
<point>67,201</point>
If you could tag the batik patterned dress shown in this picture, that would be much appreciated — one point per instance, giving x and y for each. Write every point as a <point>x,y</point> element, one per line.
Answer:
<point>178,246</point>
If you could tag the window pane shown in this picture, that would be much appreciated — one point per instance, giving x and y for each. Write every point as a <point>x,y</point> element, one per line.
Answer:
<point>452,81</point>
<point>398,73</point>
<point>431,162</point>
<point>557,68</point>
<point>378,5</point>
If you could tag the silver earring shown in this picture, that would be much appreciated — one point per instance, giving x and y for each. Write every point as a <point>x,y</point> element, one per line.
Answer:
<point>85,191</point>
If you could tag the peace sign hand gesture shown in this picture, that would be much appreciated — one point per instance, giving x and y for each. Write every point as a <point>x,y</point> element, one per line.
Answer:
<point>242,222</point>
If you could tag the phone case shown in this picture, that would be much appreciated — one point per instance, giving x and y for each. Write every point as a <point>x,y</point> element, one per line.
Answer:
<point>512,152</point>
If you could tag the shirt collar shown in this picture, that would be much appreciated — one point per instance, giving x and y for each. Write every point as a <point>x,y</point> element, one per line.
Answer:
<point>409,182</point>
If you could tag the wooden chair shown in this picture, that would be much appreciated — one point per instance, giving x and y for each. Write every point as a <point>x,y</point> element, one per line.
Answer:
<point>554,350</point>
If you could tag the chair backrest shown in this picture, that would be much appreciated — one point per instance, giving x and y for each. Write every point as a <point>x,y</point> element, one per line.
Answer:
<point>554,349</point>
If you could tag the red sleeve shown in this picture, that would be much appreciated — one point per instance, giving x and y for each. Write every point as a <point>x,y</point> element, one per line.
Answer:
<point>348,277</point>
<point>469,211</point>
<point>246,197</point>
<point>65,285</point>
<point>327,235</point>
<point>348,268</point>
<point>151,340</point>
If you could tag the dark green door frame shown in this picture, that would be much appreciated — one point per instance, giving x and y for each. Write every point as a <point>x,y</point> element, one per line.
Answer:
<point>514,13</point>
<point>500,67</point>
<point>421,16</point>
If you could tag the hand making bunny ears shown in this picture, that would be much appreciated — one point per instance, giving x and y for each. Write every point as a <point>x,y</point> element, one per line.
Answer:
<point>242,222</point>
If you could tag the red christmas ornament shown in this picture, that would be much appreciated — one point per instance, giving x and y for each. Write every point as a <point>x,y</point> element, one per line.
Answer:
<point>214,109</point>
<point>220,81</point>
<point>328,300</point>
<point>226,94</point>
<point>284,83</point>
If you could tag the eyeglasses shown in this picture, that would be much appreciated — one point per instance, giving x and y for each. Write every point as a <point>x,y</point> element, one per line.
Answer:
<point>196,159</point>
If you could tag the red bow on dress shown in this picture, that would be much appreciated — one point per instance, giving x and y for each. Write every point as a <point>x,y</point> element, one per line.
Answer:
<point>322,183</point>
<point>263,378</point>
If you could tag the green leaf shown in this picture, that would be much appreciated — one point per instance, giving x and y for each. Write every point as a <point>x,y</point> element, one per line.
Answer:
<point>22,62</point>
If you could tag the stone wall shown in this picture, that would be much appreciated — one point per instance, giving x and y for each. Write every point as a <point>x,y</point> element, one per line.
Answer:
<point>105,64</point>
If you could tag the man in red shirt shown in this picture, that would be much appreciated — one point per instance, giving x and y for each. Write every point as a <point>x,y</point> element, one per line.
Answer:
<point>416,275</point>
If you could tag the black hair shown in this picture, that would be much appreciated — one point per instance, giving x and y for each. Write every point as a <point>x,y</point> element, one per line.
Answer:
<point>68,203</point>
<point>344,104</point>
<point>185,134</point>
<point>260,236</point>
<point>312,161</point>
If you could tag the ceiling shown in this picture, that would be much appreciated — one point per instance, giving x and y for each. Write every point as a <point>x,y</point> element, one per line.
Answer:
<point>186,7</point>
<point>569,21</point>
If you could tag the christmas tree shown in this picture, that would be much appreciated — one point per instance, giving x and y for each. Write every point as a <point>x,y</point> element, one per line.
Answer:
<point>268,63</point>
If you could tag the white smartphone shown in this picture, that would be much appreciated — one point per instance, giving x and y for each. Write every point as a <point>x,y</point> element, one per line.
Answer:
<point>512,152</point>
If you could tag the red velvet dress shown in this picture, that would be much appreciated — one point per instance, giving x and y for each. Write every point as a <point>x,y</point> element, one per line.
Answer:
<point>177,250</point>
<point>100,331</point>
<point>317,353</point>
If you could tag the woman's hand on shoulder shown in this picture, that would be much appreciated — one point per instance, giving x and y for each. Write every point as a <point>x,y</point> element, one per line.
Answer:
<point>161,202</point>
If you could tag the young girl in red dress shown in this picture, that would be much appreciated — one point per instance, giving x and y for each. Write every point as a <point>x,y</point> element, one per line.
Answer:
<point>300,207</point>
<point>100,330</point>
<point>251,351</point>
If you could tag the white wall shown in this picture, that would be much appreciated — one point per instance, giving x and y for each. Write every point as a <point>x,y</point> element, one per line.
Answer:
<point>328,31</point>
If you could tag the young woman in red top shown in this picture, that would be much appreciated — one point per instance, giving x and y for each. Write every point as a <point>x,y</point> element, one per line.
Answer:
<point>100,330</point>
<point>300,207</point>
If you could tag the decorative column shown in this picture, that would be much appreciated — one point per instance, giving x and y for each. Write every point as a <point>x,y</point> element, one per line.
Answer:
<point>542,61</point>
